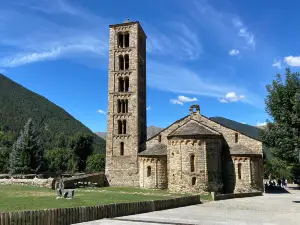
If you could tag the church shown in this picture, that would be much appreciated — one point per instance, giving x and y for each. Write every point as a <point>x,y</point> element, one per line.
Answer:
<point>192,155</point>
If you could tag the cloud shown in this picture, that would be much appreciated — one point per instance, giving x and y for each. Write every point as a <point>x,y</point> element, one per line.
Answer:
<point>148,108</point>
<point>292,60</point>
<point>101,111</point>
<point>234,52</point>
<point>177,40</point>
<point>182,99</point>
<point>227,28</point>
<point>47,36</point>
<point>231,97</point>
<point>261,124</point>
<point>277,64</point>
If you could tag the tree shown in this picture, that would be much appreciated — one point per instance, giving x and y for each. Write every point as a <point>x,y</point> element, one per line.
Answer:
<point>60,160</point>
<point>27,152</point>
<point>82,146</point>
<point>95,163</point>
<point>283,106</point>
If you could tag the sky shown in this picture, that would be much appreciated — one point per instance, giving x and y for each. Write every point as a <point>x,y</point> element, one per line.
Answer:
<point>217,54</point>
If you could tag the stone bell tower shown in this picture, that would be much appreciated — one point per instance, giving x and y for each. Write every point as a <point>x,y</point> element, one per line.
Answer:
<point>126,128</point>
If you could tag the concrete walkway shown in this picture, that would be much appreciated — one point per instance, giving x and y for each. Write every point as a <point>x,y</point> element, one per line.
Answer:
<point>269,209</point>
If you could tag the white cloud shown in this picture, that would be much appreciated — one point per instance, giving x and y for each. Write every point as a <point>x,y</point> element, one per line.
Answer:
<point>277,63</point>
<point>244,32</point>
<point>39,37</point>
<point>234,52</point>
<point>148,108</point>
<point>101,111</point>
<point>182,99</point>
<point>292,60</point>
<point>261,124</point>
<point>231,97</point>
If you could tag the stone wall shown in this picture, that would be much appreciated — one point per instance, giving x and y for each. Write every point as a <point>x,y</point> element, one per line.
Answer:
<point>123,170</point>
<point>243,181</point>
<point>157,178</point>
<point>35,182</point>
<point>257,173</point>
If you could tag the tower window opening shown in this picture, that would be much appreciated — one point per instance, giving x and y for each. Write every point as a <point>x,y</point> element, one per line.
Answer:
<point>126,106</point>
<point>239,171</point>
<point>122,148</point>
<point>236,138</point>
<point>120,40</point>
<point>121,62</point>
<point>126,84</point>
<point>148,171</point>
<point>192,162</point>
<point>193,180</point>
<point>121,85</point>
<point>124,126</point>
<point>119,105</point>
<point>126,40</point>
<point>159,138</point>
<point>119,127</point>
<point>126,61</point>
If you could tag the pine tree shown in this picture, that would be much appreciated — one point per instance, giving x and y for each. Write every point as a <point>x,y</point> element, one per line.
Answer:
<point>27,153</point>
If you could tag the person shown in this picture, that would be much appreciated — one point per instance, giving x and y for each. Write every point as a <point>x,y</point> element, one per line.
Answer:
<point>59,186</point>
<point>283,182</point>
<point>279,182</point>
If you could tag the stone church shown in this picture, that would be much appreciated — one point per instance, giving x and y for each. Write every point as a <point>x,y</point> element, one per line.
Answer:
<point>194,154</point>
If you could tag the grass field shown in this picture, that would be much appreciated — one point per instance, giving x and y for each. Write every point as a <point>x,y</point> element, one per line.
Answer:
<point>17,197</point>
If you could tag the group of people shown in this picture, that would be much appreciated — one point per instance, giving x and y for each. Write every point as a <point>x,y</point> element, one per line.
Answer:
<point>280,182</point>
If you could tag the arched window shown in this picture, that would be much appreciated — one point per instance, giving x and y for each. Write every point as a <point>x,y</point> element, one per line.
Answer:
<point>236,137</point>
<point>192,162</point>
<point>121,84</point>
<point>120,40</point>
<point>126,105</point>
<point>121,62</point>
<point>126,40</point>
<point>193,180</point>
<point>159,138</point>
<point>148,171</point>
<point>119,105</point>
<point>122,148</point>
<point>124,126</point>
<point>240,171</point>
<point>126,60</point>
<point>126,84</point>
<point>119,127</point>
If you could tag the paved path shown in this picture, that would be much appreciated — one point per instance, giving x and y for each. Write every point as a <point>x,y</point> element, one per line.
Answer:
<point>270,209</point>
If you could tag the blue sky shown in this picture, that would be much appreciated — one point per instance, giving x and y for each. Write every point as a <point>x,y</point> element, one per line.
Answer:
<point>218,54</point>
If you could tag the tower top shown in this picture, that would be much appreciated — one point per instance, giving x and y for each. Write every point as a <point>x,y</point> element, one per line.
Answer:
<point>127,20</point>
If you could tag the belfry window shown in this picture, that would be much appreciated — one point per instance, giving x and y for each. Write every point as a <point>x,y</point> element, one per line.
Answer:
<point>192,162</point>
<point>236,138</point>
<point>126,84</point>
<point>120,40</point>
<point>124,126</point>
<point>121,62</point>
<point>148,171</point>
<point>240,171</point>
<point>121,84</point>
<point>126,40</point>
<point>126,61</point>
<point>119,106</point>
<point>122,148</point>
<point>119,127</point>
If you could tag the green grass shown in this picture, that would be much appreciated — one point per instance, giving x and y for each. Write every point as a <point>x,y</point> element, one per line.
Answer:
<point>17,197</point>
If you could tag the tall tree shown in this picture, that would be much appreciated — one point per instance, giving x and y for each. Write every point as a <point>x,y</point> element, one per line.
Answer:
<point>27,152</point>
<point>82,146</point>
<point>283,106</point>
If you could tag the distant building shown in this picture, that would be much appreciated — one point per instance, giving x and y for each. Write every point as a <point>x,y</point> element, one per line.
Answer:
<point>194,154</point>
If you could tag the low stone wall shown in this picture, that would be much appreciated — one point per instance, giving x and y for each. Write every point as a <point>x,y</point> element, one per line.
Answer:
<point>216,197</point>
<point>68,216</point>
<point>35,182</point>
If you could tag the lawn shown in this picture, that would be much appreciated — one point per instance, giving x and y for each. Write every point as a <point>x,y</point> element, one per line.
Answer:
<point>17,197</point>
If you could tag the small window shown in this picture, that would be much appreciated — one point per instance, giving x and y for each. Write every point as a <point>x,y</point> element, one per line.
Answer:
<point>126,60</point>
<point>121,84</point>
<point>239,171</point>
<point>119,106</point>
<point>159,138</point>
<point>148,171</point>
<point>192,162</point>
<point>120,40</point>
<point>126,106</point>
<point>236,137</point>
<point>119,127</point>
<point>121,62</point>
<point>122,148</point>
<point>124,126</point>
<point>126,84</point>
<point>126,40</point>
<point>193,180</point>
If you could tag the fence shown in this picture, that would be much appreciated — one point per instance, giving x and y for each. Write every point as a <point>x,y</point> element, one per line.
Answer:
<point>67,216</point>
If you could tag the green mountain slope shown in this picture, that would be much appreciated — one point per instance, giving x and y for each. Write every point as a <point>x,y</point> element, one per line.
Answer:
<point>18,104</point>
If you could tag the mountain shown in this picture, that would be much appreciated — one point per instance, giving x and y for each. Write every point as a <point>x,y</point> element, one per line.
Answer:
<point>151,131</point>
<point>18,104</point>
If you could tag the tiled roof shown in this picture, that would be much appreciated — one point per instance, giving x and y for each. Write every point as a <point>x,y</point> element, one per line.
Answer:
<point>239,149</point>
<point>155,149</point>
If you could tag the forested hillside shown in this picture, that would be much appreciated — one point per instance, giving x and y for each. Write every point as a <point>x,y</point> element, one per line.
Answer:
<point>18,104</point>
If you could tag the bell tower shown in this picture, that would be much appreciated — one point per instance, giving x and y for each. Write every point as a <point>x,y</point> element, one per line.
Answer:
<point>126,127</point>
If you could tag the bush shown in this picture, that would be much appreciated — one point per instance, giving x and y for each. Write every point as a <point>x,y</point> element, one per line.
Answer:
<point>95,163</point>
